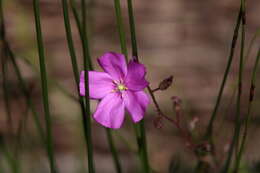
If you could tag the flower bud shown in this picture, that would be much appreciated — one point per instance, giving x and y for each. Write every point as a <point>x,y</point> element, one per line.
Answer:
<point>166,83</point>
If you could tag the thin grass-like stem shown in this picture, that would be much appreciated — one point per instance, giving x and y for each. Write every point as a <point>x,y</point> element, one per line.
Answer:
<point>86,121</point>
<point>140,127</point>
<point>113,150</point>
<point>44,83</point>
<point>235,139</point>
<point>248,115</point>
<point>120,27</point>
<point>76,17</point>
<point>10,54</point>
<point>11,160</point>
<point>223,83</point>
<point>87,67</point>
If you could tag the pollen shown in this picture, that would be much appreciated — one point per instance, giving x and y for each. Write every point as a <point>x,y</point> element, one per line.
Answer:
<point>121,87</point>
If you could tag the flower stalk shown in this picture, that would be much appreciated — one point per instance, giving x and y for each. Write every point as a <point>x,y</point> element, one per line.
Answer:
<point>248,115</point>
<point>140,128</point>
<point>87,66</point>
<point>120,27</point>
<point>44,83</point>
<point>235,139</point>
<point>209,131</point>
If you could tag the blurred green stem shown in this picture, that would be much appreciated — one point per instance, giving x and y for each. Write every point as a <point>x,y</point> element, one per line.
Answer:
<point>4,65</point>
<point>82,31</point>
<point>248,115</point>
<point>44,82</point>
<point>22,85</point>
<point>235,139</point>
<point>113,150</point>
<point>86,121</point>
<point>120,27</point>
<point>87,67</point>
<point>140,127</point>
<point>230,59</point>
<point>9,157</point>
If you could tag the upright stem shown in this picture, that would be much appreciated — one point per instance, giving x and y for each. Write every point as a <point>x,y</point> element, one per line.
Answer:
<point>132,29</point>
<point>44,83</point>
<point>21,81</point>
<point>235,139</point>
<point>113,150</point>
<point>141,134</point>
<point>120,27</point>
<point>230,59</point>
<point>251,98</point>
<point>87,66</point>
<point>72,51</point>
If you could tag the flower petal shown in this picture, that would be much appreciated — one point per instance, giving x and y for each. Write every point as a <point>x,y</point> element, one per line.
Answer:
<point>135,79</point>
<point>110,111</point>
<point>136,104</point>
<point>100,84</point>
<point>114,64</point>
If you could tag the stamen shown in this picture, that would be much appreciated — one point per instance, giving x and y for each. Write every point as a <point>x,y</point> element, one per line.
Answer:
<point>119,86</point>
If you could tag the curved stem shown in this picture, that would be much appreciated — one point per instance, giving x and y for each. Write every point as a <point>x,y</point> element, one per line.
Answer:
<point>44,82</point>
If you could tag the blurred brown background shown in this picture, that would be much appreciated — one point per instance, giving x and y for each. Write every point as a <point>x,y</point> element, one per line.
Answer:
<point>184,38</point>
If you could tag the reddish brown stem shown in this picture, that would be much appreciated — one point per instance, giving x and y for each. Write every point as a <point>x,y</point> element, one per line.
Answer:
<point>185,135</point>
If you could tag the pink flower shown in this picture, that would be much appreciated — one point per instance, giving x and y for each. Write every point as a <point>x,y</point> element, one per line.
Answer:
<point>120,86</point>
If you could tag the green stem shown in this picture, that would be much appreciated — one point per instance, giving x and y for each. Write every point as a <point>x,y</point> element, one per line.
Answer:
<point>44,83</point>
<point>251,98</point>
<point>235,139</point>
<point>70,41</point>
<point>230,59</point>
<point>120,27</point>
<point>22,85</point>
<point>113,150</point>
<point>76,17</point>
<point>142,146</point>
<point>9,157</point>
<point>87,67</point>
<point>86,121</point>
<point>132,29</point>
<point>141,134</point>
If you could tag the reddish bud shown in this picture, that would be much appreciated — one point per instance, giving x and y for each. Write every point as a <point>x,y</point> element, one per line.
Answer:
<point>166,83</point>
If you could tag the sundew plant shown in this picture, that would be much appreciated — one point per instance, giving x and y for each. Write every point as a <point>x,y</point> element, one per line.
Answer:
<point>128,86</point>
